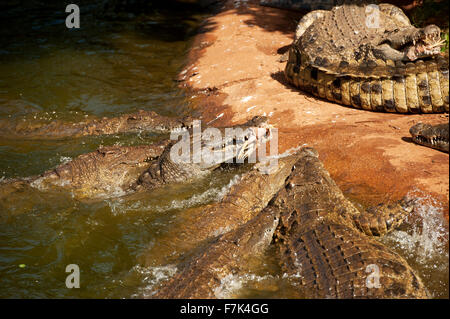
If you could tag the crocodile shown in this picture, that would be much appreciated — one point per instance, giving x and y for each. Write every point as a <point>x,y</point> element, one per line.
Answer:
<point>106,172</point>
<point>434,136</point>
<point>201,276</point>
<point>369,57</point>
<point>119,170</point>
<point>323,241</point>
<point>239,146</point>
<point>140,121</point>
<point>327,245</point>
<point>245,232</point>
<point>246,197</point>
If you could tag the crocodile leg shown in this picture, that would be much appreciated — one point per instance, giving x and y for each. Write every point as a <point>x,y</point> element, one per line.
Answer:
<point>381,219</point>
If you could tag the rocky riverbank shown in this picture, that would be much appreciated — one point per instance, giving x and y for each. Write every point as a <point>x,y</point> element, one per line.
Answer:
<point>234,73</point>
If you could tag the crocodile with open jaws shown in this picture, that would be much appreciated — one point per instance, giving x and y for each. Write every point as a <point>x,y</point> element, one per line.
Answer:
<point>119,170</point>
<point>434,136</point>
<point>322,239</point>
<point>369,57</point>
<point>240,146</point>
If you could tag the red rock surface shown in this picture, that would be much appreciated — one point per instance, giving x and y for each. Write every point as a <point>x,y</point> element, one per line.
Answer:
<point>234,74</point>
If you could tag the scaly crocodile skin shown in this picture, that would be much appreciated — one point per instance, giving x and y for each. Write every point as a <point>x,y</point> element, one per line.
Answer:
<point>246,229</point>
<point>320,244</point>
<point>336,56</point>
<point>422,89</point>
<point>141,121</point>
<point>434,136</point>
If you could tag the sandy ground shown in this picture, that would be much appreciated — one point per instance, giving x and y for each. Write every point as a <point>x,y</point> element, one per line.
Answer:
<point>234,74</point>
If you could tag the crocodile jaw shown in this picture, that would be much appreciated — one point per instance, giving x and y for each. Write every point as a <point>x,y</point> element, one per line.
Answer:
<point>239,147</point>
<point>432,136</point>
<point>427,44</point>
<point>250,145</point>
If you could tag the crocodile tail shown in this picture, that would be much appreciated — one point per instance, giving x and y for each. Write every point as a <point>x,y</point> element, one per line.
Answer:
<point>420,87</point>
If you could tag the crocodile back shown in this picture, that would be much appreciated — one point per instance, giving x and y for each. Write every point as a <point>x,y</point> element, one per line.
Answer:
<point>342,41</point>
<point>320,246</point>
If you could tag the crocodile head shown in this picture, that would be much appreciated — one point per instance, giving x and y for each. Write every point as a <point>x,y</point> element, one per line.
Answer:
<point>434,136</point>
<point>239,142</point>
<point>210,150</point>
<point>427,42</point>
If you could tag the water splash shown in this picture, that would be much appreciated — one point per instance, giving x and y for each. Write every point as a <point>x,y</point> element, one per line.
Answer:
<point>428,234</point>
<point>424,244</point>
<point>151,277</point>
<point>119,206</point>
<point>232,283</point>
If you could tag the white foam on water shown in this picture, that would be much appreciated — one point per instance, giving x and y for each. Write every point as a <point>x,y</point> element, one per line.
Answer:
<point>111,191</point>
<point>151,277</point>
<point>231,283</point>
<point>37,183</point>
<point>119,206</point>
<point>426,239</point>
<point>65,159</point>
<point>212,194</point>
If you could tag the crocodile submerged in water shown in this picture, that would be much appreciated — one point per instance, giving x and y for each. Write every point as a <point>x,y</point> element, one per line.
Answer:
<point>244,233</point>
<point>369,57</point>
<point>141,121</point>
<point>247,196</point>
<point>322,239</point>
<point>434,136</point>
<point>119,170</point>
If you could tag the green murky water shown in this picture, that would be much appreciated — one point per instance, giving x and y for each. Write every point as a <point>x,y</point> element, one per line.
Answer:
<point>111,65</point>
<point>115,65</point>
